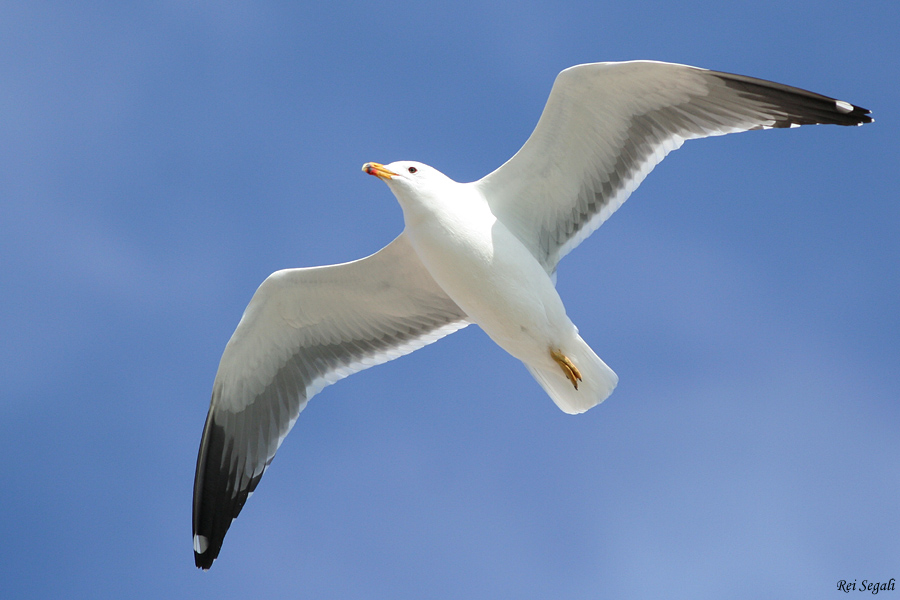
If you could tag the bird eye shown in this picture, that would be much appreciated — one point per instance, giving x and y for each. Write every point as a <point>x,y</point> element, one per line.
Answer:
<point>412,169</point>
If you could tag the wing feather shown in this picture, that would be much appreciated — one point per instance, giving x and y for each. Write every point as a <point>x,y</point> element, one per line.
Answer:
<point>606,125</point>
<point>304,329</point>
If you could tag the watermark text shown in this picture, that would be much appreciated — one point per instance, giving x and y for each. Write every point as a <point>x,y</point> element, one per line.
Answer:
<point>865,585</point>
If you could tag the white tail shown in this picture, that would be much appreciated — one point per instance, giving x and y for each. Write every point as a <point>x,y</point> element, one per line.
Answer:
<point>598,380</point>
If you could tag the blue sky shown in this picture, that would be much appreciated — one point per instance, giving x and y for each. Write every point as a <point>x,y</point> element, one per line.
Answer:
<point>159,160</point>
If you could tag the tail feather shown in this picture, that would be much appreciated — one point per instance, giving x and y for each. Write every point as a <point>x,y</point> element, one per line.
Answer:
<point>598,380</point>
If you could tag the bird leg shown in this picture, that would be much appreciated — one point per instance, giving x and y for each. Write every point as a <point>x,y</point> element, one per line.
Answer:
<point>568,367</point>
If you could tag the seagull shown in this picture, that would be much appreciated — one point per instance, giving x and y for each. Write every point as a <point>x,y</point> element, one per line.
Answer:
<point>484,252</point>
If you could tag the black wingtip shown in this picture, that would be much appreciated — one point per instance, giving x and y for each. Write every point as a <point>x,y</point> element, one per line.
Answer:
<point>801,107</point>
<point>216,501</point>
<point>209,486</point>
<point>220,491</point>
<point>204,560</point>
<point>863,115</point>
<point>857,114</point>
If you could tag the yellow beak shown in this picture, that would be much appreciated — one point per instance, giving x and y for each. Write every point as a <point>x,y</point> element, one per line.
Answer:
<point>378,170</point>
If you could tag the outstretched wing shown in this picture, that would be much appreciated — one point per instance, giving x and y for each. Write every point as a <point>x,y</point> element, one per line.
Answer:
<point>304,329</point>
<point>606,125</point>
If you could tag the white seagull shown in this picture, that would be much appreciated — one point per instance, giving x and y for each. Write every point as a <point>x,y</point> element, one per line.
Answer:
<point>483,252</point>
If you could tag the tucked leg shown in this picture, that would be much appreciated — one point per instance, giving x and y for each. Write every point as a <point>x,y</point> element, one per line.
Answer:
<point>568,367</point>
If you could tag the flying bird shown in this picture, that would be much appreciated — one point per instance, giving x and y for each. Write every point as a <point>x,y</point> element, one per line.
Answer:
<point>483,252</point>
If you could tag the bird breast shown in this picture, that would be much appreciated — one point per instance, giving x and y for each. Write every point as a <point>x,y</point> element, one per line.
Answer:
<point>492,276</point>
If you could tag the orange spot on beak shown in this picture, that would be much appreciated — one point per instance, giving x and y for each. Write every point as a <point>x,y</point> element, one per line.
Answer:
<point>378,170</point>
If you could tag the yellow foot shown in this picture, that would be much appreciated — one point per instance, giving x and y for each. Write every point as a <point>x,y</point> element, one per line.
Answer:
<point>568,367</point>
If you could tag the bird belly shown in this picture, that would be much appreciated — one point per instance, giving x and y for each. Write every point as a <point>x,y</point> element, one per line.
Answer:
<point>495,279</point>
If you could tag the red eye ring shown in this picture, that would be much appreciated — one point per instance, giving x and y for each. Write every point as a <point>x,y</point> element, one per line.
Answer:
<point>412,169</point>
